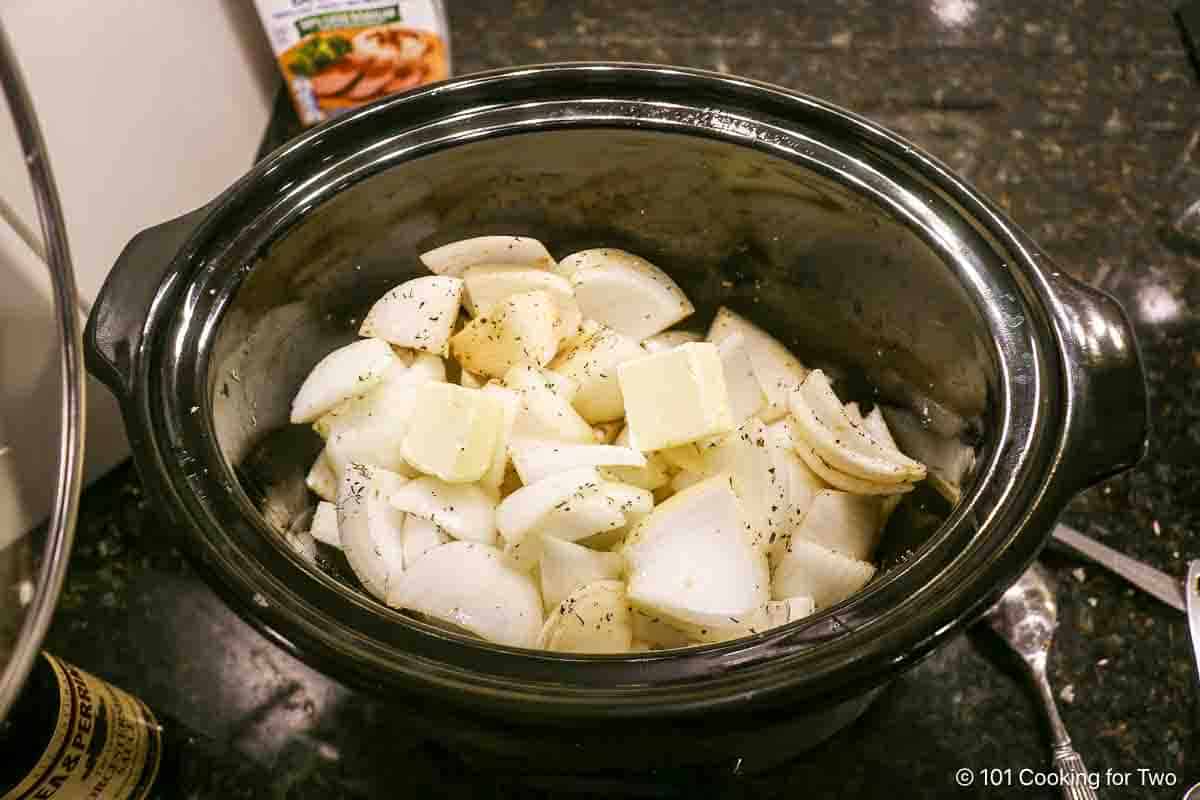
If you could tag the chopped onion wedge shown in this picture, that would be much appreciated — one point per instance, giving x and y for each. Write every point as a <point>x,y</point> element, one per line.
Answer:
<point>418,314</point>
<point>347,372</point>
<point>369,527</point>
<point>949,458</point>
<point>658,632</point>
<point>691,556</point>
<point>456,257</point>
<point>473,586</point>
<point>518,513</point>
<point>840,480</point>
<point>535,459</point>
<point>629,499</point>
<point>669,340</point>
<point>625,292</point>
<point>822,422</point>
<point>322,479</point>
<point>462,510</point>
<point>521,329</point>
<point>779,372</point>
<point>565,566</point>
<point>650,477</point>
<point>757,467</point>
<point>582,515</point>
<point>845,523</point>
<point>808,569</point>
<point>593,619</point>
<point>545,412</point>
<point>370,429</point>
<point>490,284</point>
<point>324,525</point>
<point>746,396</point>
<point>510,407</point>
<point>418,537</point>
<point>590,359</point>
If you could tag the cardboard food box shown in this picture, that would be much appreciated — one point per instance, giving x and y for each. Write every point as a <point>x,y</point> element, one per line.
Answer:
<point>340,54</point>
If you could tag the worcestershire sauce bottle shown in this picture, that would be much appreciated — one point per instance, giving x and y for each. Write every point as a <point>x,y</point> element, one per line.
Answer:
<point>71,736</point>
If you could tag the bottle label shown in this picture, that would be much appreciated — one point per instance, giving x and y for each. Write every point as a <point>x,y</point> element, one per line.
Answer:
<point>106,745</point>
<point>336,55</point>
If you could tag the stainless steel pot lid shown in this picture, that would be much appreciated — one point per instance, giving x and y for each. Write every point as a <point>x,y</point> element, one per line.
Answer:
<point>33,563</point>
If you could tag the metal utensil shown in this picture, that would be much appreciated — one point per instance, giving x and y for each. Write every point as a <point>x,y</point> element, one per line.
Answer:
<point>1026,618</point>
<point>1166,588</point>
<point>1192,592</point>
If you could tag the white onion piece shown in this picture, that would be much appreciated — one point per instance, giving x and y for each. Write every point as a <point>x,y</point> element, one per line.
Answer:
<point>324,526</point>
<point>456,257</point>
<point>321,479</point>
<point>518,513</point>
<point>877,428</point>
<point>778,371</point>
<point>535,459</point>
<point>426,367</point>
<point>545,412</point>
<point>685,478</point>
<point>303,543</point>
<point>693,556</point>
<point>758,469</point>
<point>625,292</point>
<point>669,340</point>
<point>822,422</point>
<point>839,479</point>
<point>632,500</point>
<point>369,527</point>
<point>593,619</point>
<point>808,569</point>
<point>370,429</point>
<point>582,515</point>
<point>470,380</point>
<point>473,586</point>
<point>418,314</point>
<point>490,284</point>
<point>522,328</point>
<point>800,482</point>
<point>652,476</point>
<point>845,523</point>
<point>510,404</point>
<point>690,456</point>
<point>462,510</point>
<point>948,458</point>
<point>565,566</point>
<point>658,632</point>
<point>746,395</point>
<point>418,537</point>
<point>607,432</point>
<point>591,358</point>
<point>347,372</point>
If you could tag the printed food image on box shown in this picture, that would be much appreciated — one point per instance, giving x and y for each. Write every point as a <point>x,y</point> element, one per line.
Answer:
<point>350,53</point>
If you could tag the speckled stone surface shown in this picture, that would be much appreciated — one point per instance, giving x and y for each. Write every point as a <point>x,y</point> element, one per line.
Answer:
<point>1080,118</point>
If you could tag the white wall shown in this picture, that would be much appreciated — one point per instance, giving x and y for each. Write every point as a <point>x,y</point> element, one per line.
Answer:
<point>150,108</point>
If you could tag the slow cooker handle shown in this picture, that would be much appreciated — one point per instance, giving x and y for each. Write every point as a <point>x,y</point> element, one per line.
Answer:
<point>1108,416</point>
<point>117,323</point>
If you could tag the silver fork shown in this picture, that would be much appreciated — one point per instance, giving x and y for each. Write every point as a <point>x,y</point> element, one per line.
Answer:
<point>1026,618</point>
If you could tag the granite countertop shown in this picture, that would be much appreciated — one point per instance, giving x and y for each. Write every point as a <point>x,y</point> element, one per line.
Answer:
<point>1080,119</point>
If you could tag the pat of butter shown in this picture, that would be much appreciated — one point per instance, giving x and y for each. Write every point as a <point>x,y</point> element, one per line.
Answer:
<point>675,397</point>
<point>453,431</point>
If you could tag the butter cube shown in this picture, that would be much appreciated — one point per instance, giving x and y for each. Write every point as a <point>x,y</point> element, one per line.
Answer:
<point>675,397</point>
<point>452,433</point>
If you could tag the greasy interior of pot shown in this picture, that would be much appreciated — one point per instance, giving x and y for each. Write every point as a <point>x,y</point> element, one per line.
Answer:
<point>848,287</point>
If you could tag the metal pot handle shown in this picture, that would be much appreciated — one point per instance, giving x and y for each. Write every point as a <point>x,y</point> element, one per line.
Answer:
<point>61,531</point>
<point>1107,409</point>
<point>115,328</point>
